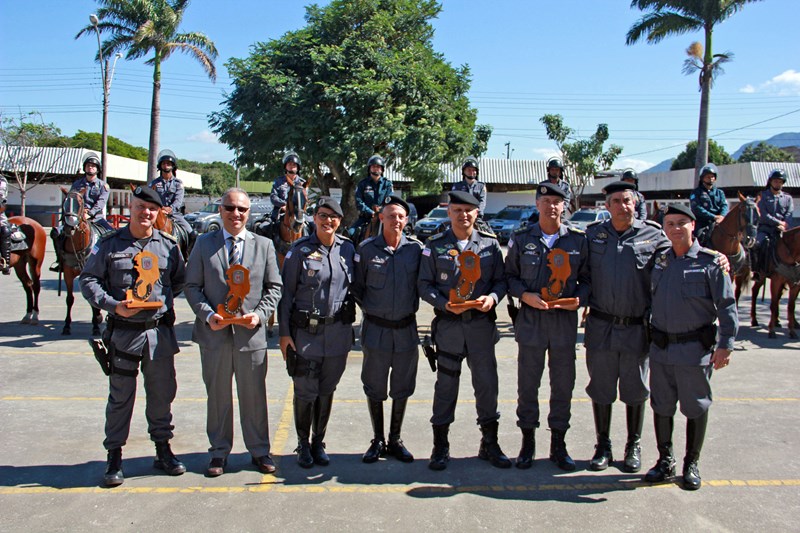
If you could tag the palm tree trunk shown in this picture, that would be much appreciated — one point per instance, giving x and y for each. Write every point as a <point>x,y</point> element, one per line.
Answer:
<point>155,114</point>
<point>701,159</point>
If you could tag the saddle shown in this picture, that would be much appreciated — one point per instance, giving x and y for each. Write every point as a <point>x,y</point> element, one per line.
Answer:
<point>17,242</point>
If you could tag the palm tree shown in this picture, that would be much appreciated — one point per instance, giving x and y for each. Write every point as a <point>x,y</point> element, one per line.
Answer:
<point>142,27</point>
<point>676,17</point>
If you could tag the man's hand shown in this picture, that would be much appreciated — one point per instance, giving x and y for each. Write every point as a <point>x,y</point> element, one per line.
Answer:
<point>573,307</point>
<point>534,300</point>
<point>782,225</point>
<point>721,358</point>
<point>725,265</point>
<point>376,208</point>
<point>214,322</point>
<point>455,310</point>
<point>254,320</point>
<point>488,303</point>
<point>167,210</point>
<point>718,218</point>
<point>286,342</point>
<point>124,311</point>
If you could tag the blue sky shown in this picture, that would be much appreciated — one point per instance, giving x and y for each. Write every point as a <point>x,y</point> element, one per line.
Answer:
<point>527,58</point>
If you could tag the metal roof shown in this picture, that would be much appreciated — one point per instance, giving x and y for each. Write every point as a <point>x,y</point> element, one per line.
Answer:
<point>492,171</point>
<point>67,162</point>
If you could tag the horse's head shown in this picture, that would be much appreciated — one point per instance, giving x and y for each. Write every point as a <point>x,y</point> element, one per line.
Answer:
<point>748,220</point>
<point>296,206</point>
<point>72,210</point>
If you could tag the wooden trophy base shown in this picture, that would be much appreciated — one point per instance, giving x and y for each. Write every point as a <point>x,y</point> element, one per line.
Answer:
<point>228,319</point>
<point>562,302</point>
<point>141,304</point>
<point>469,304</point>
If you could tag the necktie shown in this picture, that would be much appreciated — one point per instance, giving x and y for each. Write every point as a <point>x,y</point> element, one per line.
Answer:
<point>234,257</point>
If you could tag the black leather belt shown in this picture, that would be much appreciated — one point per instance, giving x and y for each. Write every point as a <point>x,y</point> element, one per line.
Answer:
<point>302,319</point>
<point>391,324</point>
<point>137,325</point>
<point>617,320</point>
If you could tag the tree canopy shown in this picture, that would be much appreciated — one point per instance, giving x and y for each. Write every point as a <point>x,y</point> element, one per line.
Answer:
<point>687,158</point>
<point>360,78</point>
<point>765,152</point>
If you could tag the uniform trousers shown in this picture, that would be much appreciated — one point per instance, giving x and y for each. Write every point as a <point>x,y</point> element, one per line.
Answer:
<point>160,387</point>
<point>323,381</point>
<point>483,367</point>
<point>398,369</point>
<point>220,366</point>
<point>530,367</point>
<point>689,385</point>
<point>609,367</point>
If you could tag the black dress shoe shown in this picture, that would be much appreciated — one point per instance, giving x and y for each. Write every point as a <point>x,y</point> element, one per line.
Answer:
<point>264,463</point>
<point>691,476</point>
<point>397,449</point>
<point>377,449</point>
<point>216,467</point>
<point>113,476</point>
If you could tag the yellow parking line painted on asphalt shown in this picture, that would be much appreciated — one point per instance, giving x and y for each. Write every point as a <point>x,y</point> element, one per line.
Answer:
<point>281,434</point>
<point>419,490</point>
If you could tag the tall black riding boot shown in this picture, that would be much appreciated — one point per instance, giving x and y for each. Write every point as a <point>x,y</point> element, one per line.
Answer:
<point>490,447</point>
<point>440,454</point>
<point>58,242</point>
<point>113,476</point>
<point>602,427</point>
<point>5,249</point>
<point>695,435</point>
<point>377,448</point>
<point>633,448</point>
<point>166,460</point>
<point>322,413</point>
<point>558,450</point>
<point>665,467</point>
<point>303,413</point>
<point>396,448</point>
<point>527,450</point>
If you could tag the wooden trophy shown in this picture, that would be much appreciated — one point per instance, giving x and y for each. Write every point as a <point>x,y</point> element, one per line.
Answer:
<point>146,264</point>
<point>238,279</point>
<point>558,262</point>
<point>470,267</point>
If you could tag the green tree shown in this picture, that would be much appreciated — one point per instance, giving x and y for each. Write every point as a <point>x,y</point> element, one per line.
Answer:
<point>217,176</point>
<point>766,153</point>
<point>480,142</point>
<point>360,78</point>
<point>665,18</point>
<point>143,27</point>
<point>582,157</point>
<point>93,141</point>
<point>688,158</point>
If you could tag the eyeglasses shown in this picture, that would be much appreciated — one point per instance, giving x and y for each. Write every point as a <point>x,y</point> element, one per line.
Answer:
<point>232,208</point>
<point>325,217</point>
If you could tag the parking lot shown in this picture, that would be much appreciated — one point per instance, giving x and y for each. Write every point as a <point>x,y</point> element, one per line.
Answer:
<point>52,402</point>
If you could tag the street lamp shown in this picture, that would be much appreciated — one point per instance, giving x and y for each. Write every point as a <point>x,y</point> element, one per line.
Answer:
<point>106,88</point>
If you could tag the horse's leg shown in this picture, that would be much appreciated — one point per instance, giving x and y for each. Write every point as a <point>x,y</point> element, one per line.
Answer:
<point>775,289</point>
<point>36,285</point>
<point>754,297</point>
<point>22,275</point>
<point>69,279</point>
<point>97,319</point>
<point>792,323</point>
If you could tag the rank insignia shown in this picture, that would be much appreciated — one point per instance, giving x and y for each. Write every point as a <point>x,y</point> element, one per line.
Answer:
<point>453,253</point>
<point>602,235</point>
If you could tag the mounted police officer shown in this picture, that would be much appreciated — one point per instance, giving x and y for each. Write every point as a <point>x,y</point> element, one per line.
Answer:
<point>540,327</point>
<point>171,191</point>
<point>556,176</point>
<point>708,202</point>
<point>282,188</point>
<point>775,207</point>
<point>315,317</point>
<point>137,336</point>
<point>690,293</point>
<point>630,176</point>
<point>95,196</point>
<point>371,192</point>
<point>621,253</point>
<point>460,333</point>
<point>385,286</point>
<point>5,228</point>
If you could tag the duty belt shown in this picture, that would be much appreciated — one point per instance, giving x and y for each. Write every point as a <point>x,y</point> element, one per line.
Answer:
<point>391,324</point>
<point>466,316</point>
<point>138,325</point>
<point>706,335</point>
<point>617,320</point>
<point>301,318</point>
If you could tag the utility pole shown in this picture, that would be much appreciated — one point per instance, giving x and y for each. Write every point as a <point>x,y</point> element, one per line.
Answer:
<point>508,150</point>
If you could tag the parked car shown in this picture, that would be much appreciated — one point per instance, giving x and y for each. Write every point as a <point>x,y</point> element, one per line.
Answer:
<point>207,219</point>
<point>412,219</point>
<point>586,215</point>
<point>434,222</point>
<point>510,219</point>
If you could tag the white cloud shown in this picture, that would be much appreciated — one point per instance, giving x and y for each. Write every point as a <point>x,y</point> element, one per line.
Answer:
<point>545,153</point>
<point>636,164</point>
<point>786,83</point>
<point>205,137</point>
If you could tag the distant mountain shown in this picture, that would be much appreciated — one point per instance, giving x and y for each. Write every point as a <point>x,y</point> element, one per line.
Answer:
<point>664,166</point>
<point>781,140</point>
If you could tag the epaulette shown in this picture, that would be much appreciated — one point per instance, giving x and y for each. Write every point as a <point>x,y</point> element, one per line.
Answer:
<point>108,235</point>
<point>169,236</point>
<point>487,234</point>
<point>413,238</point>
<point>573,229</point>
<point>367,240</point>
<point>434,237</point>
<point>652,223</point>
<point>301,240</point>
<point>520,231</point>
<point>710,252</point>
<point>596,222</point>
<point>344,237</point>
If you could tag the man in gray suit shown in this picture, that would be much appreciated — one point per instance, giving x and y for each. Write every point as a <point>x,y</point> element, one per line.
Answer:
<point>233,350</point>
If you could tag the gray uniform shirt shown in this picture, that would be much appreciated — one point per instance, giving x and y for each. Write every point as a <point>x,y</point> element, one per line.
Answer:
<point>620,266</point>
<point>527,270</point>
<point>774,208</point>
<point>316,278</point>
<point>477,189</point>
<point>171,193</point>
<point>110,272</point>
<point>385,286</point>
<point>690,292</point>
<point>94,197</point>
<point>3,199</point>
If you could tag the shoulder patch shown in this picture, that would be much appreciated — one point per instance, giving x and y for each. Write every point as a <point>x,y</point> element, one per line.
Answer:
<point>653,223</point>
<point>105,186</point>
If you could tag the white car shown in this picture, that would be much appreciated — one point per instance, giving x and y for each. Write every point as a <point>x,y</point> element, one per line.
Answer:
<point>585,216</point>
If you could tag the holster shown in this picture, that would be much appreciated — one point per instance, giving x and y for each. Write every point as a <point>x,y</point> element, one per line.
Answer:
<point>430,352</point>
<point>348,310</point>
<point>102,355</point>
<point>300,366</point>
<point>291,361</point>
<point>513,310</point>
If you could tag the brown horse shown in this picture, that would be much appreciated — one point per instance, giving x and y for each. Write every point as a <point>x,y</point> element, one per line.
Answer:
<point>734,236</point>
<point>79,236</point>
<point>27,264</point>
<point>784,270</point>
<point>292,227</point>
<point>165,223</point>
<point>370,230</point>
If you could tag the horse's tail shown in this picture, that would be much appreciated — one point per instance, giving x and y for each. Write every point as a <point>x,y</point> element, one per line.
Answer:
<point>745,278</point>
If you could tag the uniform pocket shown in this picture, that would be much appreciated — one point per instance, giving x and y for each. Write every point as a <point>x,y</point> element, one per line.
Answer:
<point>121,273</point>
<point>529,265</point>
<point>694,285</point>
<point>376,276</point>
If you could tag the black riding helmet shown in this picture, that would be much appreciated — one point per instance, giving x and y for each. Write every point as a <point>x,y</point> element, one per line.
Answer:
<point>470,162</point>
<point>92,157</point>
<point>376,160</point>
<point>168,155</point>
<point>292,157</point>
<point>630,174</point>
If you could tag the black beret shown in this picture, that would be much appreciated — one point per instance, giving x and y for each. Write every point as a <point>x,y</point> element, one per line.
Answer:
<point>329,203</point>
<point>394,199</point>
<point>461,197</point>
<point>618,186</point>
<point>678,209</point>
<point>549,189</point>
<point>148,195</point>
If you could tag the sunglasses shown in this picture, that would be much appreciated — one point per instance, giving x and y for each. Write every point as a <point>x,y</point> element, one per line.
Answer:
<point>232,208</point>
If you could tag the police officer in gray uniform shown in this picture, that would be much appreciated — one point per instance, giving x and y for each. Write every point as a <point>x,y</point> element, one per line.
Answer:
<point>5,228</point>
<point>464,334</point>
<point>621,252</point>
<point>171,191</point>
<point>775,207</point>
<point>540,327</point>
<point>137,335</point>
<point>555,176</point>
<point>315,317</point>
<point>282,187</point>
<point>469,183</point>
<point>385,286</point>
<point>690,292</point>
<point>630,176</point>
